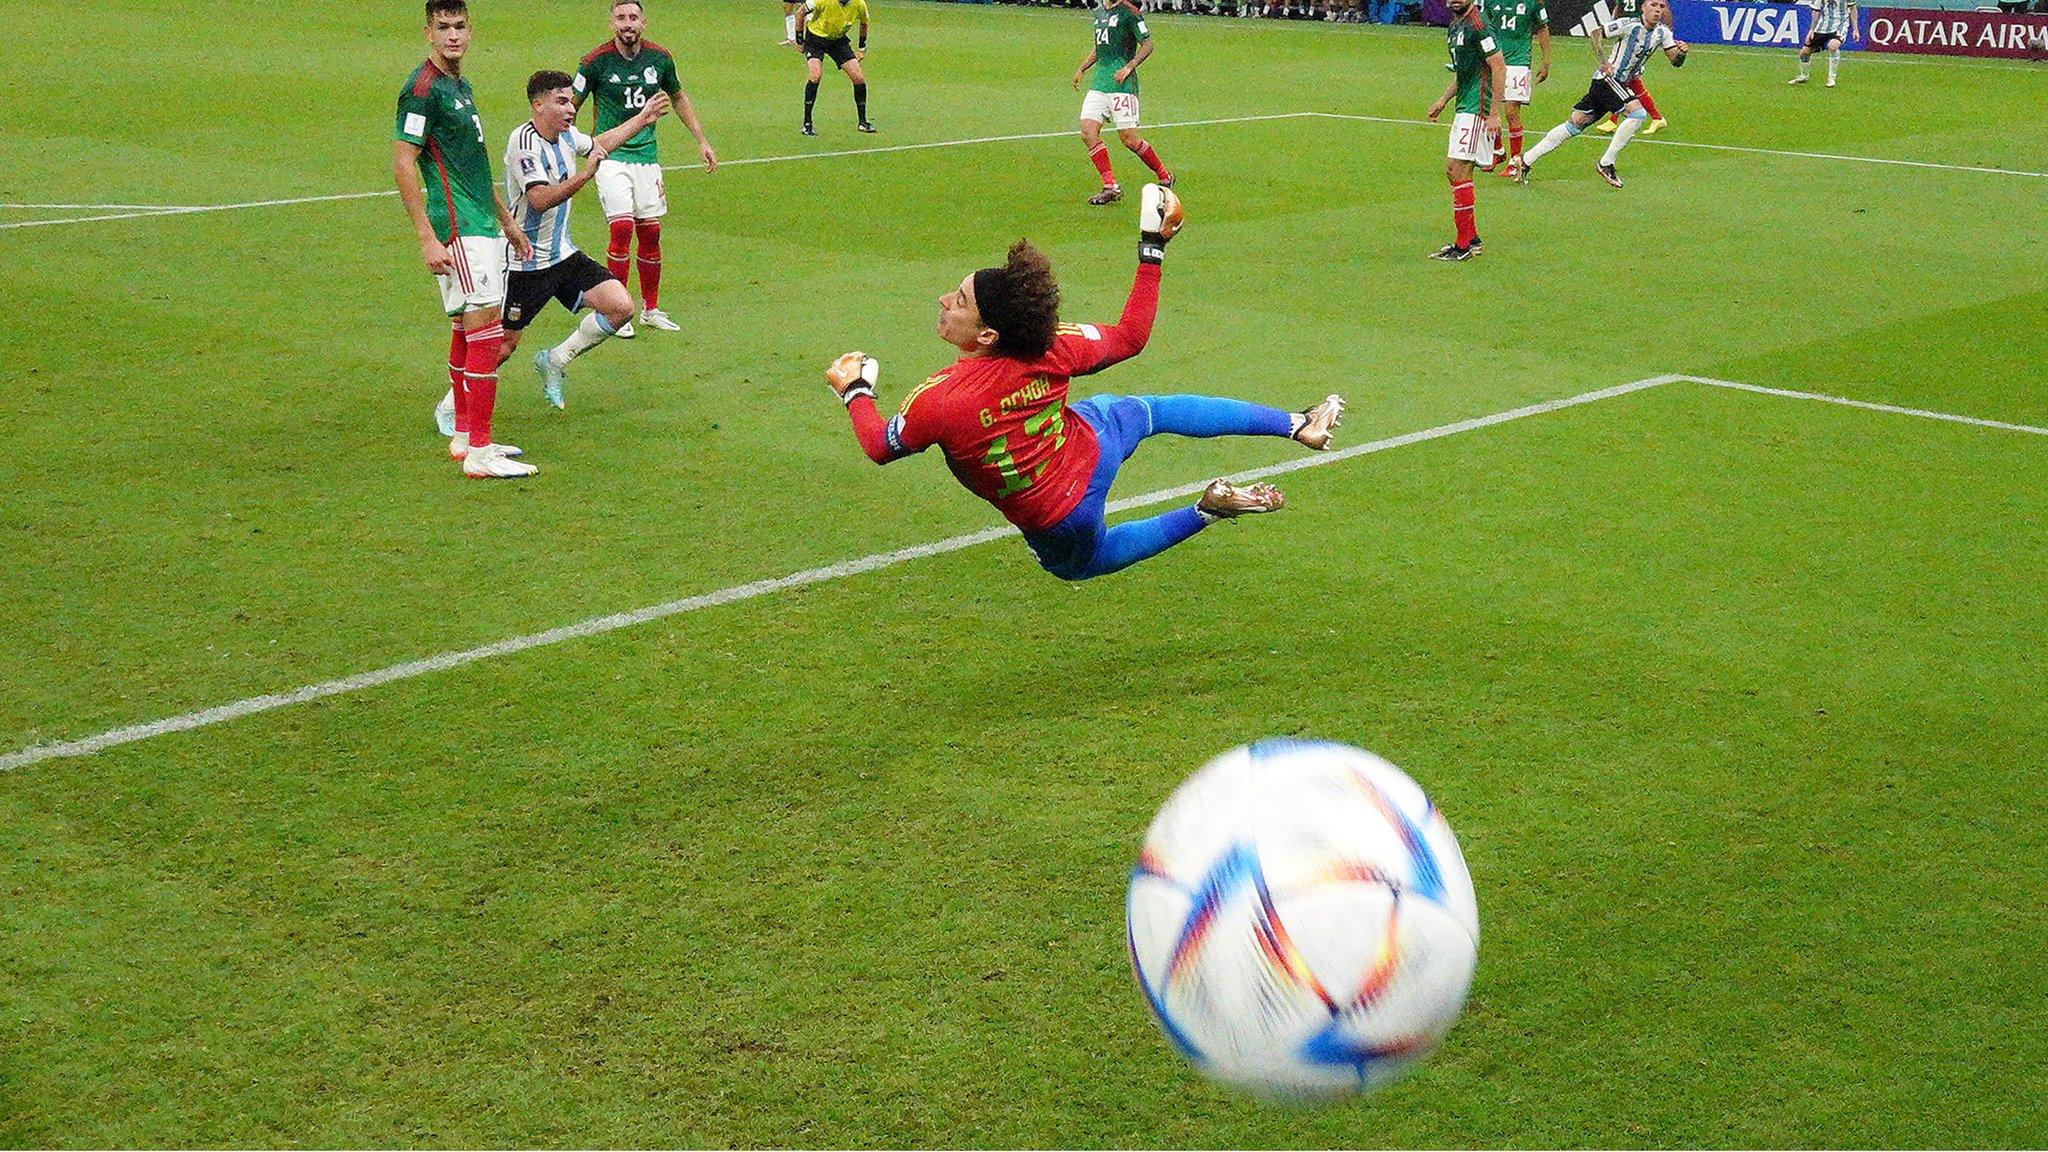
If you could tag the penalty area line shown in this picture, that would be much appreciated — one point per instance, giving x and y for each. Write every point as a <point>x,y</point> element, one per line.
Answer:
<point>599,625</point>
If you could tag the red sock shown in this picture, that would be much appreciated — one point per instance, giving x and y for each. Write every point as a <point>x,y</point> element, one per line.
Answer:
<point>1515,145</point>
<point>1649,105</point>
<point>1151,159</point>
<point>618,256</point>
<point>1461,212</point>
<point>650,261</point>
<point>458,359</point>
<point>480,369</point>
<point>1100,155</point>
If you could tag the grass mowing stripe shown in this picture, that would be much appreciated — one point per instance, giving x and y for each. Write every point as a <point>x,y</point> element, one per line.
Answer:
<point>601,624</point>
<point>147,211</point>
<point>191,209</point>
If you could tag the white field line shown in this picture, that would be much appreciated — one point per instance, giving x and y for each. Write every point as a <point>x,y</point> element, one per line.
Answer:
<point>142,211</point>
<point>150,211</point>
<point>597,626</point>
<point>98,207</point>
<point>1867,406</point>
<point>1844,157</point>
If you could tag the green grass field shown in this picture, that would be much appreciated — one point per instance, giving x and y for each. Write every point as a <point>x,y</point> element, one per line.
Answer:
<point>1735,700</point>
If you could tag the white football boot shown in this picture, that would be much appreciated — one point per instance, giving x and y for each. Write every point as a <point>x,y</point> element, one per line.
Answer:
<point>494,462</point>
<point>656,318</point>
<point>444,414</point>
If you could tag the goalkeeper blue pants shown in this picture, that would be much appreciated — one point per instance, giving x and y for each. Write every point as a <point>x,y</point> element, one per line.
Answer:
<point>1084,545</point>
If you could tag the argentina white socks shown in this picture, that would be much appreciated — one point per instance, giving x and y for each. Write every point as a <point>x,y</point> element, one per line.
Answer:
<point>594,330</point>
<point>1551,140</point>
<point>1630,124</point>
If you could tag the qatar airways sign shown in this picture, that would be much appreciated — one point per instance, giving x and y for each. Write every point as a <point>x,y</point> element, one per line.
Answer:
<point>1955,33</point>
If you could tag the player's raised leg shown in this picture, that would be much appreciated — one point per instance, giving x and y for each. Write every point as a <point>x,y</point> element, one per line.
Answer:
<point>611,308</point>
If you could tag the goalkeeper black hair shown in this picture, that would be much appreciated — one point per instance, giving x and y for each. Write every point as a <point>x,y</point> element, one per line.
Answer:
<point>1021,301</point>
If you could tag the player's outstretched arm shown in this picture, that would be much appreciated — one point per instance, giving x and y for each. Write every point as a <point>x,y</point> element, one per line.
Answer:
<point>852,378</point>
<point>1081,73</point>
<point>1160,217</point>
<point>1543,42</point>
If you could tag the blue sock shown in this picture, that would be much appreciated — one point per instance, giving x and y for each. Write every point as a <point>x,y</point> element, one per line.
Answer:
<point>1126,544</point>
<point>1206,416</point>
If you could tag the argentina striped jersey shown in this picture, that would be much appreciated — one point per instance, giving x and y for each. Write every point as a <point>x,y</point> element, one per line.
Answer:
<point>1831,17</point>
<point>1634,42</point>
<point>531,161</point>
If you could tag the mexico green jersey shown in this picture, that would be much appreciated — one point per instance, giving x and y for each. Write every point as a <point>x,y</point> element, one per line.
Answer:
<point>1470,44</point>
<point>622,87</point>
<point>437,113</point>
<point>1118,32</point>
<point>1513,22</point>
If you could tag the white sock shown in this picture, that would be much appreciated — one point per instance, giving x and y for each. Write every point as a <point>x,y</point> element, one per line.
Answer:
<point>594,330</point>
<point>1550,141</point>
<point>789,26</point>
<point>1804,65</point>
<point>1629,126</point>
<point>1834,62</point>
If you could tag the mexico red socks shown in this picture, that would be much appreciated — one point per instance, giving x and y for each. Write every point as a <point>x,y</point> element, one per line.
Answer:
<point>458,361</point>
<point>1514,146</point>
<point>1461,211</point>
<point>1099,153</point>
<point>480,372</point>
<point>649,262</point>
<point>1151,158</point>
<point>618,255</point>
<point>1649,105</point>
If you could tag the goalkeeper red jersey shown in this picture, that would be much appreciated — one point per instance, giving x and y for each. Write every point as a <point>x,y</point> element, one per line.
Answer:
<point>1003,422</point>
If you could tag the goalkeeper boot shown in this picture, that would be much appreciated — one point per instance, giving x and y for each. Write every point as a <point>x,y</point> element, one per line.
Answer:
<point>1223,500</point>
<point>1319,424</point>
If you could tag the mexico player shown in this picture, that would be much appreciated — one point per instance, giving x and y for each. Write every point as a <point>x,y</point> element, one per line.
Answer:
<point>1478,71</point>
<point>1511,22</point>
<point>541,179</point>
<point>1632,10</point>
<point>1002,418</point>
<point>444,181</point>
<point>623,74</point>
<point>826,34</point>
<point>1122,42</point>
<point>1610,91</point>
<point>1833,21</point>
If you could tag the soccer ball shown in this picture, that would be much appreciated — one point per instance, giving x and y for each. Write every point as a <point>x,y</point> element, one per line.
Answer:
<point>1301,920</point>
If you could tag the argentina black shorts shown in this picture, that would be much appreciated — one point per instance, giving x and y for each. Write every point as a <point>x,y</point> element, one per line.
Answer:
<point>527,293</point>
<point>1605,94</point>
<point>1818,41</point>
<point>840,49</point>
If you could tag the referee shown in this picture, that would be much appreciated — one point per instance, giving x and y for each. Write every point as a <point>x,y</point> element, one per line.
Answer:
<point>825,28</point>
